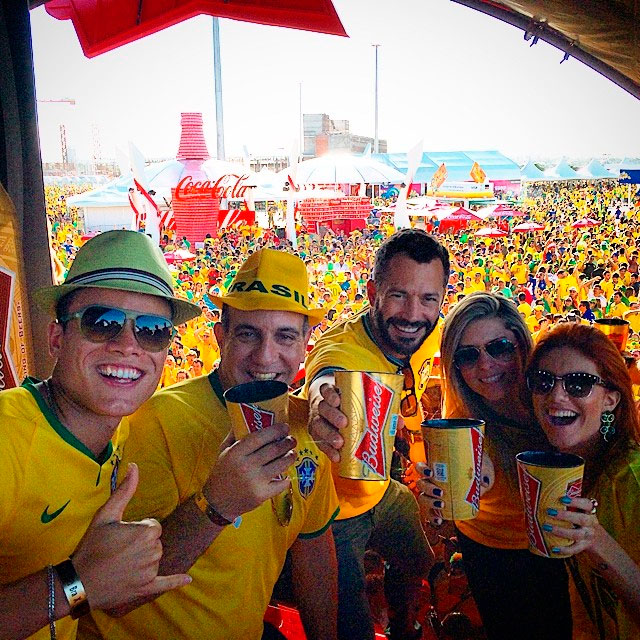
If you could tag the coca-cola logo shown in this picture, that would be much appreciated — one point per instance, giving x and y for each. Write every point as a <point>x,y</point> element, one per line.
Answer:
<point>473,495</point>
<point>377,404</point>
<point>229,185</point>
<point>530,492</point>
<point>256,418</point>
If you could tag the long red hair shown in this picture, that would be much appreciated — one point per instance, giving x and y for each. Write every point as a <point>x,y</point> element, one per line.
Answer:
<point>594,345</point>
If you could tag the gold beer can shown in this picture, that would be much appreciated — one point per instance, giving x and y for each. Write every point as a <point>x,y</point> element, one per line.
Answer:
<point>616,329</point>
<point>258,405</point>
<point>545,477</point>
<point>371,402</point>
<point>453,450</point>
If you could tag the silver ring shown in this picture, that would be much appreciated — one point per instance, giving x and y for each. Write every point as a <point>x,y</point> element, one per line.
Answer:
<point>594,506</point>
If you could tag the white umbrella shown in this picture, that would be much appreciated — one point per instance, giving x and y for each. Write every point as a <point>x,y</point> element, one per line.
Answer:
<point>337,168</point>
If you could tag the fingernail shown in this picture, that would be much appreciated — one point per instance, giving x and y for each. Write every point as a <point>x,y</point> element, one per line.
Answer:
<point>427,472</point>
<point>565,500</point>
<point>556,550</point>
<point>486,479</point>
<point>547,527</point>
<point>437,522</point>
<point>437,492</point>
<point>552,512</point>
<point>438,504</point>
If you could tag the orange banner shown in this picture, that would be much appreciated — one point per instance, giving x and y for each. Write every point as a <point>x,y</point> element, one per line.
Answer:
<point>477,174</point>
<point>439,177</point>
<point>15,335</point>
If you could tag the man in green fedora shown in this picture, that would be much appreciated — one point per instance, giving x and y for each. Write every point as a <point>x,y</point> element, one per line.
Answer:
<point>63,546</point>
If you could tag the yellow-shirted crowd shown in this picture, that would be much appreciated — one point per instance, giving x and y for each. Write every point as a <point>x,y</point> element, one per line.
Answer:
<point>556,274</point>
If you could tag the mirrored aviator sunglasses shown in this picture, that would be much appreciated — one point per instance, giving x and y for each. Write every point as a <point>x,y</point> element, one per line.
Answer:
<point>577,384</point>
<point>499,349</point>
<point>100,324</point>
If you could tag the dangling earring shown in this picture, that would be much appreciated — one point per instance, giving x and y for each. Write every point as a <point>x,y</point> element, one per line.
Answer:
<point>606,425</point>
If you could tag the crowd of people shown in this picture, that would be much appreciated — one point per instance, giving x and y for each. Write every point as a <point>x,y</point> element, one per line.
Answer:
<point>510,319</point>
<point>561,273</point>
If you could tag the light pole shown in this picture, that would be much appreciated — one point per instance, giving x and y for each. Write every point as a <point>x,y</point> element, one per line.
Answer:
<point>300,125</point>
<point>375,135</point>
<point>217,75</point>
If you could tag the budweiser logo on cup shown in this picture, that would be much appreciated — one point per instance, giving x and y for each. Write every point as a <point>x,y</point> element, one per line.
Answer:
<point>453,451</point>
<point>371,402</point>
<point>377,405</point>
<point>530,491</point>
<point>545,477</point>
<point>256,418</point>
<point>473,495</point>
<point>255,406</point>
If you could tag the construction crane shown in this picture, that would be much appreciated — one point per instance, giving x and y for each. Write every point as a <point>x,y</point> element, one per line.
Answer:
<point>63,129</point>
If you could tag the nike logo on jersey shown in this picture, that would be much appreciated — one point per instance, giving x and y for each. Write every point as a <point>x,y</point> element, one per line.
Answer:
<point>47,517</point>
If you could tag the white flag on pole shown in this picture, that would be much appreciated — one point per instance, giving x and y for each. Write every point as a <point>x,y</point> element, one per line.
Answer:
<point>141,194</point>
<point>401,215</point>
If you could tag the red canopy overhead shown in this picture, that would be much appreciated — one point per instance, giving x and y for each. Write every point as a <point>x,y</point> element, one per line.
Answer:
<point>103,25</point>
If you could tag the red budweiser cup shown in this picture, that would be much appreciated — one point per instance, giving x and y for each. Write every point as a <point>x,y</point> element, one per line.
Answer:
<point>371,402</point>
<point>453,451</point>
<point>254,406</point>
<point>544,478</point>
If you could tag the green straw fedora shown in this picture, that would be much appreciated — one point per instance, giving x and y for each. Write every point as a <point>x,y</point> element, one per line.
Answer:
<point>123,260</point>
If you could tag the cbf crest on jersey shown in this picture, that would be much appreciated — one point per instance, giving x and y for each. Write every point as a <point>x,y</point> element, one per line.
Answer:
<point>306,471</point>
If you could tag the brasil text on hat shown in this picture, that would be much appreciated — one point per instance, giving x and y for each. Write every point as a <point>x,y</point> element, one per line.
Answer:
<point>122,260</point>
<point>274,281</point>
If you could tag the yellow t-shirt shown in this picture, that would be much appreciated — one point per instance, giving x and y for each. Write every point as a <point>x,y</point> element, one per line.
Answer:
<point>597,611</point>
<point>563,285</point>
<point>532,322</point>
<point>525,307</point>
<point>350,346</point>
<point>617,310</point>
<point>607,288</point>
<point>520,273</point>
<point>176,436</point>
<point>52,486</point>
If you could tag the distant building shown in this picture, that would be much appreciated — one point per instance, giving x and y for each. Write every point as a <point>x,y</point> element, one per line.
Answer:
<point>322,134</point>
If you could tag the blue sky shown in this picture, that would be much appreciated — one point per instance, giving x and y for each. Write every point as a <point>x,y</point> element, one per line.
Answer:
<point>450,76</point>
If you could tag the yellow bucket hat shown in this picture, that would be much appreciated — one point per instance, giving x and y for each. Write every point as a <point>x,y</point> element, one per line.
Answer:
<point>274,281</point>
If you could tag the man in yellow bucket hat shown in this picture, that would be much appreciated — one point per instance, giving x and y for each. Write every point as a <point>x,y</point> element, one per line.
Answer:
<point>63,546</point>
<point>190,464</point>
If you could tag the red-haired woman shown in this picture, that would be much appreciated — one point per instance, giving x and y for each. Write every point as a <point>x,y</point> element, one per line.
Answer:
<point>582,398</point>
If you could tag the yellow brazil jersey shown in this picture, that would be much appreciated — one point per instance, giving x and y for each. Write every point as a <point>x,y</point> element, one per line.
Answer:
<point>563,285</point>
<point>520,272</point>
<point>617,310</point>
<point>350,346</point>
<point>52,486</point>
<point>176,437</point>
<point>597,611</point>
<point>607,288</point>
<point>525,307</point>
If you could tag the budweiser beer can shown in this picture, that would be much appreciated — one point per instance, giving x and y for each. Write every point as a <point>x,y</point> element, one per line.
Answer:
<point>544,478</point>
<point>616,329</point>
<point>257,405</point>
<point>453,451</point>
<point>371,402</point>
<point>254,406</point>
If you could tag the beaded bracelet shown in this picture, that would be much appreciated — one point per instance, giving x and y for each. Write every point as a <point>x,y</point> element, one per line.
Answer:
<point>51,605</point>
